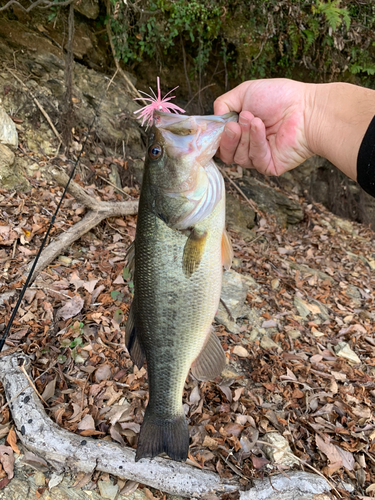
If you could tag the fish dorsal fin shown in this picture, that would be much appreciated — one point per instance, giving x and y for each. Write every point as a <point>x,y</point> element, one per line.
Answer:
<point>132,339</point>
<point>211,361</point>
<point>203,203</point>
<point>193,251</point>
<point>226,250</point>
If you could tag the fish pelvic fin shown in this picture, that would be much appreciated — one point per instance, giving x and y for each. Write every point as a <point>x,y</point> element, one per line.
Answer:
<point>226,251</point>
<point>163,435</point>
<point>193,251</point>
<point>132,341</point>
<point>211,361</point>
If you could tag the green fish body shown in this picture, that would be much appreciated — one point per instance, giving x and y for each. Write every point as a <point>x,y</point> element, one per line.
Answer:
<point>179,252</point>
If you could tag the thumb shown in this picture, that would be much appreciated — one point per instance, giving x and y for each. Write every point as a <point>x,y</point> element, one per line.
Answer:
<point>220,106</point>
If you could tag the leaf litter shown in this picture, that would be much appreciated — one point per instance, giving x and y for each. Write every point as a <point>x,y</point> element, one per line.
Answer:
<point>314,297</point>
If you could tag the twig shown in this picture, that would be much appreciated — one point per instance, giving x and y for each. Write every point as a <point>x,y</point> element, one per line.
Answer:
<point>22,368</point>
<point>185,67</point>
<point>24,389</point>
<point>43,4</point>
<point>199,91</point>
<point>118,67</point>
<point>252,205</point>
<point>301,461</point>
<point>42,110</point>
<point>114,185</point>
<point>98,211</point>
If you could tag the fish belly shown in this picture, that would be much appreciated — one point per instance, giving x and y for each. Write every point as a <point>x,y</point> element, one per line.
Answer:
<point>173,318</point>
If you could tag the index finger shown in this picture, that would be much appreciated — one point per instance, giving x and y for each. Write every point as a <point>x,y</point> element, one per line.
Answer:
<point>232,100</point>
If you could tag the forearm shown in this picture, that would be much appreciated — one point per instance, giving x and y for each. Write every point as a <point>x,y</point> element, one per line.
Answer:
<point>336,118</point>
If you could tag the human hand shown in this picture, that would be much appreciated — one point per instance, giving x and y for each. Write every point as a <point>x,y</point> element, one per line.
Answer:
<point>272,129</point>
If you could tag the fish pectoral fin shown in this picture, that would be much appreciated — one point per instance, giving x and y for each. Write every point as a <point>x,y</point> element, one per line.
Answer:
<point>226,250</point>
<point>193,251</point>
<point>132,342</point>
<point>211,361</point>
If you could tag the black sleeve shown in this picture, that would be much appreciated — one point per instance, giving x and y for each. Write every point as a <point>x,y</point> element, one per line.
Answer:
<point>366,161</point>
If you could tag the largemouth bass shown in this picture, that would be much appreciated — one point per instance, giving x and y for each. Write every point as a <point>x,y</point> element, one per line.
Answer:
<point>179,251</point>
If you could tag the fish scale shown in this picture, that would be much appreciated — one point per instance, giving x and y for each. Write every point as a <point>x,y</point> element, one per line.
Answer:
<point>174,304</point>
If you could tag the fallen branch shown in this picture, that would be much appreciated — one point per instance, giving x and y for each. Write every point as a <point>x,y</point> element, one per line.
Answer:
<point>64,449</point>
<point>41,435</point>
<point>98,211</point>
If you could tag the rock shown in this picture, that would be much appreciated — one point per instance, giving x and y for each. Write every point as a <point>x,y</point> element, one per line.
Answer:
<point>292,486</point>
<point>281,454</point>
<point>241,351</point>
<point>343,350</point>
<point>11,177</point>
<point>301,307</point>
<point>286,210</point>
<point>343,224</point>
<point>314,307</point>
<point>88,8</point>
<point>294,334</point>
<point>233,294</point>
<point>353,293</point>
<point>39,479</point>
<point>309,270</point>
<point>267,343</point>
<point>8,131</point>
<point>239,218</point>
<point>108,489</point>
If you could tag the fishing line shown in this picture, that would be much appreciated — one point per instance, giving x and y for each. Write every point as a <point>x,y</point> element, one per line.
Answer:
<point>31,272</point>
<point>53,218</point>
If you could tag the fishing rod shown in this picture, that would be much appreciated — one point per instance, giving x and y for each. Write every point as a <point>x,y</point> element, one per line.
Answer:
<point>53,218</point>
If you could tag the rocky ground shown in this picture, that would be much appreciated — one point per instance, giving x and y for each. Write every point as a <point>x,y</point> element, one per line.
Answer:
<point>297,325</point>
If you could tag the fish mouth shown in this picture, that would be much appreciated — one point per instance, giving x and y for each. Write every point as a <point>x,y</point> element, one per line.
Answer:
<point>196,138</point>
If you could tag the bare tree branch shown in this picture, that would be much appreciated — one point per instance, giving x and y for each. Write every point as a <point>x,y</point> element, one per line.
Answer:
<point>98,211</point>
<point>42,4</point>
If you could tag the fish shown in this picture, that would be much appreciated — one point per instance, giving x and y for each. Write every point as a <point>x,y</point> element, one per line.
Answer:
<point>177,260</point>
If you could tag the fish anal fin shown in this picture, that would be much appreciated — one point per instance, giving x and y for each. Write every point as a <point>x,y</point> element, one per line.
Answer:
<point>132,340</point>
<point>163,435</point>
<point>226,250</point>
<point>211,361</point>
<point>193,251</point>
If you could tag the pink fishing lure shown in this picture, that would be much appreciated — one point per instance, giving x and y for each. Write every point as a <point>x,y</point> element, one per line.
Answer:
<point>157,103</point>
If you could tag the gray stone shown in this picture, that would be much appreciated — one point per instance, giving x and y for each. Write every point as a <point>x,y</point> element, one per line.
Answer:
<point>286,210</point>
<point>267,343</point>
<point>108,489</point>
<point>239,218</point>
<point>301,307</point>
<point>8,131</point>
<point>233,294</point>
<point>11,177</point>
<point>280,452</point>
<point>343,350</point>
<point>88,8</point>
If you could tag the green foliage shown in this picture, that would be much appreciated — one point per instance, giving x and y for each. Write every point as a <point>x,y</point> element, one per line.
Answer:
<point>315,39</point>
<point>335,15</point>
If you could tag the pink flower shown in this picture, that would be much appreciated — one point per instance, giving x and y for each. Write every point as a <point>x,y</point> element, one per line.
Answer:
<point>156,103</point>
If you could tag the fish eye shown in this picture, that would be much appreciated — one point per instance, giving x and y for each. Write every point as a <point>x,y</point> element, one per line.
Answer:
<point>155,151</point>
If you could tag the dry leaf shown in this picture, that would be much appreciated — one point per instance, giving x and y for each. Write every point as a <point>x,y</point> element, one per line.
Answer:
<point>86,423</point>
<point>7,460</point>
<point>49,390</point>
<point>71,308</point>
<point>12,441</point>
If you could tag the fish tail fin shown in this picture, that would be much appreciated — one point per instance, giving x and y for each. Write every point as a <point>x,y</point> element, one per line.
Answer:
<point>163,435</point>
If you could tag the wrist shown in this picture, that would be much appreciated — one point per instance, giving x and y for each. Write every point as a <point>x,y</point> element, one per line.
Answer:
<point>336,118</point>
